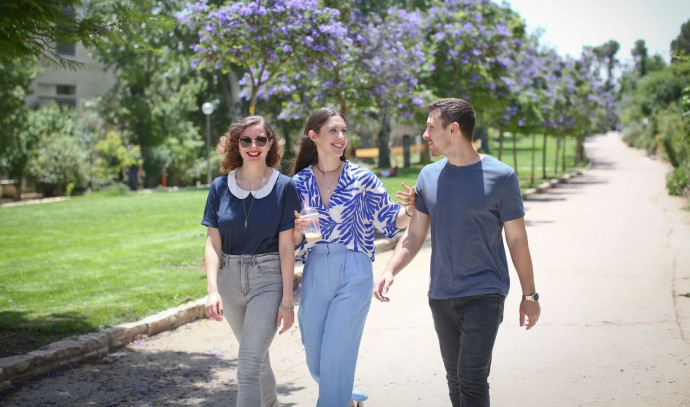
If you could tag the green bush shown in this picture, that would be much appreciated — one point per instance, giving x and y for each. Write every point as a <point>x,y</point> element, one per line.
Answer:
<point>58,160</point>
<point>634,134</point>
<point>678,182</point>
<point>112,190</point>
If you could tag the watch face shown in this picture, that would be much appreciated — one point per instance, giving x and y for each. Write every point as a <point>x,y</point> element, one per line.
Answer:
<point>535,297</point>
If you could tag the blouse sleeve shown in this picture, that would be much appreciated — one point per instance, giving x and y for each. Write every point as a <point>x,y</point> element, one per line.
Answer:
<point>385,210</point>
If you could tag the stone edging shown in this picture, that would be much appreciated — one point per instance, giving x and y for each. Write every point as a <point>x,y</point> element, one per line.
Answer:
<point>16,369</point>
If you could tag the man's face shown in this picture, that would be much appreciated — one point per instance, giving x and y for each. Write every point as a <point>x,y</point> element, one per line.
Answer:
<point>436,135</point>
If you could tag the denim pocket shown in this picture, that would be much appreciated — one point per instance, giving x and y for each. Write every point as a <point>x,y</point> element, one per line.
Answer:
<point>271,265</point>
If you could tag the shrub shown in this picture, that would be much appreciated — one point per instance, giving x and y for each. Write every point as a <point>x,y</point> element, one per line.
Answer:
<point>56,161</point>
<point>678,182</point>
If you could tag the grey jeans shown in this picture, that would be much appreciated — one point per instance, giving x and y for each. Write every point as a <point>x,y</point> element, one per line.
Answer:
<point>251,288</point>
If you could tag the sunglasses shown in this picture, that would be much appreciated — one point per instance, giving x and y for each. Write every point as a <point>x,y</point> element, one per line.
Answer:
<point>260,141</point>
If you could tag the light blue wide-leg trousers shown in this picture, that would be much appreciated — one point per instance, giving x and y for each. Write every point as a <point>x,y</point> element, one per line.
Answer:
<point>337,285</point>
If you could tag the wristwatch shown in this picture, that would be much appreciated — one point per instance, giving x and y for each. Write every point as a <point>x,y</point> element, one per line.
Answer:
<point>533,297</point>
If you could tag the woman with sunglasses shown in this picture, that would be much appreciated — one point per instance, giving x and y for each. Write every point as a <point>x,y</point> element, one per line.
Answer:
<point>337,282</point>
<point>250,255</point>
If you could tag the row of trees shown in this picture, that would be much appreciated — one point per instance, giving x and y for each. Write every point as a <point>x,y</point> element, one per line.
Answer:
<point>655,107</point>
<point>379,61</point>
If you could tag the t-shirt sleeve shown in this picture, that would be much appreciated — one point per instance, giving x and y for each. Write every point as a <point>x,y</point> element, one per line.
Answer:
<point>291,203</point>
<point>210,212</point>
<point>510,204</point>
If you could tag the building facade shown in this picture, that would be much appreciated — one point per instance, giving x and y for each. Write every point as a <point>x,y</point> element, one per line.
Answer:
<point>71,87</point>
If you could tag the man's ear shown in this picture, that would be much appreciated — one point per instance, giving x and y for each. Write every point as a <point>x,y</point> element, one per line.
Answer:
<point>455,129</point>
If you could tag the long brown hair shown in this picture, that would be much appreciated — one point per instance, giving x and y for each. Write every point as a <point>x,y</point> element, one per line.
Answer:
<point>228,145</point>
<point>307,154</point>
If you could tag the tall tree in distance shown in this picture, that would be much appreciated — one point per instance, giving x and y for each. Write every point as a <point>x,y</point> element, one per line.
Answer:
<point>606,55</point>
<point>681,45</point>
<point>639,53</point>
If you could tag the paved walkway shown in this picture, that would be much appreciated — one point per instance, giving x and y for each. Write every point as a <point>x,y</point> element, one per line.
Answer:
<point>612,258</point>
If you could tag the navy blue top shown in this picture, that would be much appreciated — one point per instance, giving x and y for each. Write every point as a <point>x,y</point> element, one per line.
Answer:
<point>467,207</point>
<point>268,216</point>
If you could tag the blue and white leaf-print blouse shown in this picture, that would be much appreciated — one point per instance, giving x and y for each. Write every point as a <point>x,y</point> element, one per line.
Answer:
<point>359,204</point>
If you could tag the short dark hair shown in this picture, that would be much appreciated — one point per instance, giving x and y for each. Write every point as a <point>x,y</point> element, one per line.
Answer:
<point>228,145</point>
<point>455,110</point>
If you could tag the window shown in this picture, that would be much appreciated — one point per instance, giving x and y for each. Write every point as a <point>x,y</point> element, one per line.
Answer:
<point>65,89</point>
<point>67,50</point>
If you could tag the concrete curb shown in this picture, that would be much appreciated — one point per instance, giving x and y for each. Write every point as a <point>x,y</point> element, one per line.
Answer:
<point>16,369</point>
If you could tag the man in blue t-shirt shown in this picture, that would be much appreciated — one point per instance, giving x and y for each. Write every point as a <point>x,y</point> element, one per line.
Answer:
<point>467,199</point>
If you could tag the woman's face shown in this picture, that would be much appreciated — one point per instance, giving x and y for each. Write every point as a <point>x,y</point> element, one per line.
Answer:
<point>254,144</point>
<point>331,139</point>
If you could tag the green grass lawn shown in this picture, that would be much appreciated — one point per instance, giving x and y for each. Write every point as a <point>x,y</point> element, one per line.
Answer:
<point>78,265</point>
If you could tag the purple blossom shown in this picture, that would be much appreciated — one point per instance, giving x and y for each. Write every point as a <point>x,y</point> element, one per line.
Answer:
<point>503,30</point>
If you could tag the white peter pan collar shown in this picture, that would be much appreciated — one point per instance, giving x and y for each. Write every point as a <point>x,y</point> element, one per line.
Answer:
<point>259,193</point>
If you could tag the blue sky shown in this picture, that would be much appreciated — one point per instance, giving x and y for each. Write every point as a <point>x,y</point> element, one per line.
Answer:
<point>570,24</point>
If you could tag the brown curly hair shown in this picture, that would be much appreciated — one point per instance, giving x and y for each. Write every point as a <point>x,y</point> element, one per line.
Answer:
<point>228,145</point>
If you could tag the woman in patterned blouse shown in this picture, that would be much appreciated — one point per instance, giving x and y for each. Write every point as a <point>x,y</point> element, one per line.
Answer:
<point>337,281</point>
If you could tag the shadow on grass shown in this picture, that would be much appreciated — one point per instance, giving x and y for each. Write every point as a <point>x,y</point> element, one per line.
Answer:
<point>20,334</point>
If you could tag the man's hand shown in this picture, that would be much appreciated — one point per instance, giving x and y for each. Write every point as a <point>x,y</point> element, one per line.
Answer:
<point>381,286</point>
<point>529,313</point>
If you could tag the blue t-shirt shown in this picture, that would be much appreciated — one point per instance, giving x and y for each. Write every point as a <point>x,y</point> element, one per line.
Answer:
<point>266,216</point>
<point>467,207</point>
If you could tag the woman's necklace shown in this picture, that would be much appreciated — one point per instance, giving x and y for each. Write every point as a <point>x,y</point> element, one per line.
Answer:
<point>244,209</point>
<point>329,188</point>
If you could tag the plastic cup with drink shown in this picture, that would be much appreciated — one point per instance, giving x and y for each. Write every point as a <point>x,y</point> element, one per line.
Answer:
<point>312,232</point>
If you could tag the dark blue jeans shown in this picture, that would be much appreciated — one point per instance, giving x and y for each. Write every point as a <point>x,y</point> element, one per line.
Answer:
<point>466,329</point>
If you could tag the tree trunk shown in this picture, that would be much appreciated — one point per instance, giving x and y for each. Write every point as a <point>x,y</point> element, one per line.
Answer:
<point>382,142</point>
<point>515,162</point>
<point>231,88</point>
<point>252,102</point>
<point>565,139</point>
<point>533,165</point>
<point>558,150</point>
<point>543,157</point>
<point>580,149</point>
<point>500,143</point>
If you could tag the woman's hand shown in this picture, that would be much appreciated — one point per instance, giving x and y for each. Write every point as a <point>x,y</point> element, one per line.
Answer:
<point>298,230</point>
<point>287,316</point>
<point>214,306</point>
<point>300,223</point>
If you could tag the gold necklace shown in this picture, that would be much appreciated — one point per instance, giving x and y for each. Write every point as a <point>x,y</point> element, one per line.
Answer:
<point>244,209</point>
<point>329,172</point>
<point>333,183</point>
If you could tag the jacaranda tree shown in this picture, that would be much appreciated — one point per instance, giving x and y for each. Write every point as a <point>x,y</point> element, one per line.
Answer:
<point>265,38</point>
<point>373,76</point>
